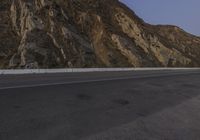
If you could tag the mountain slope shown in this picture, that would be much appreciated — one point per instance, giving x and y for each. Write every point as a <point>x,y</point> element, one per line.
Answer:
<point>88,33</point>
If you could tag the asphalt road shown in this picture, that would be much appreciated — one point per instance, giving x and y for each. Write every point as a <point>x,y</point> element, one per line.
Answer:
<point>138,105</point>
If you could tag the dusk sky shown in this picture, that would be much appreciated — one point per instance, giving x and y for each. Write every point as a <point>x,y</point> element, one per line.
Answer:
<point>183,13</point>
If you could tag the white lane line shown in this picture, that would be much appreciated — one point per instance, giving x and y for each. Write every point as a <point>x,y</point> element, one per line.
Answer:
<point>100,80</point>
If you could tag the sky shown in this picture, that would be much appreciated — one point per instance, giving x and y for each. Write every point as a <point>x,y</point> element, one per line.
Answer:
<point>183,13</point>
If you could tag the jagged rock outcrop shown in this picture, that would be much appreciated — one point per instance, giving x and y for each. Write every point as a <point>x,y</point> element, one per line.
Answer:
<point>88,33</point>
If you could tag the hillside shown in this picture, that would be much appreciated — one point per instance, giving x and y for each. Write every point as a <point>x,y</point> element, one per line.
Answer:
<point>88,33</point>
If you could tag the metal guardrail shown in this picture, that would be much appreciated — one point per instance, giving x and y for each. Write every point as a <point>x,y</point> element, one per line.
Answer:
<point>68,70</point>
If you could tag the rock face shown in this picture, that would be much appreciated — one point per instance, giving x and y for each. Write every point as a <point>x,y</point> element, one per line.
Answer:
<point>88,33</point>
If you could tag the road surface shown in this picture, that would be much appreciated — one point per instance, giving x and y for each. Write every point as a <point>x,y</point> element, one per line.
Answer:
<point>138,105</point>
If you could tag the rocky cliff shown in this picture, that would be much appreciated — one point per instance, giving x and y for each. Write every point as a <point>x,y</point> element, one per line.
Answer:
<point>88,33</point>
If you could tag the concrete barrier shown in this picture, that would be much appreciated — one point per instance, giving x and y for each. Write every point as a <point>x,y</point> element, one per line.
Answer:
<point>68,70</point>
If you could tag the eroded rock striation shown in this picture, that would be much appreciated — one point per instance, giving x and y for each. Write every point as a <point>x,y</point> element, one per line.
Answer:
<point>88,33</point>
